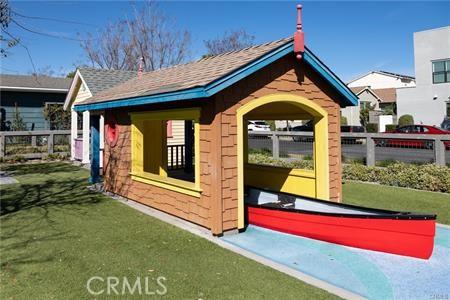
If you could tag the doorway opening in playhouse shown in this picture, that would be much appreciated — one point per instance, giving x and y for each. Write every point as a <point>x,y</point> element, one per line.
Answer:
<point>287,153</point>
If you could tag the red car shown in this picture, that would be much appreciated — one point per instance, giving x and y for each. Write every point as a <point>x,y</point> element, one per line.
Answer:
<point>414,129</point>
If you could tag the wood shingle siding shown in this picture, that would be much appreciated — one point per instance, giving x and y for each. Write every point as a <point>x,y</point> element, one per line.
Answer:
<point>217,207</point>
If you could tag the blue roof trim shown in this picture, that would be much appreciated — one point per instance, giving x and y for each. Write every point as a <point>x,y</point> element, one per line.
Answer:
<point>224,82</point>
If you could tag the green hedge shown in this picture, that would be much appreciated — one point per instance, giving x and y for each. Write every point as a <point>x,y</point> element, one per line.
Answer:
<point>263,159</point>
<point>405,120</point>
<point>422,177</point>
<point>372,127</point>
<point>391,127</point>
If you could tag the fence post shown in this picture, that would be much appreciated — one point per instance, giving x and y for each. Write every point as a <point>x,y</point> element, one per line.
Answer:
<point>33,141</point>
<point>439,152</point>
<point>50,142</point>
<point>2,145</point>
<point>275,145</point>
<point>370,151</point>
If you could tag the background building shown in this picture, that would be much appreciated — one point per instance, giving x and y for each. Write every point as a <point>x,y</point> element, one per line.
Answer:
<point>29,95</point>
<point>428,102</point>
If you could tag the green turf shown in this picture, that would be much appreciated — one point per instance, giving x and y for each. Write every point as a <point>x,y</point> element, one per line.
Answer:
<point>55,235</point>
<point>393,198</point>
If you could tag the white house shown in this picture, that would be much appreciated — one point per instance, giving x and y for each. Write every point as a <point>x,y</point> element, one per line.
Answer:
<point>376,88</point>
<point>429,101</point>
<point>382,80</point>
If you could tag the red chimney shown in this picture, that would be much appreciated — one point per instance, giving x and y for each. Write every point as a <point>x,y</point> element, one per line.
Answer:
<point>299,36</point>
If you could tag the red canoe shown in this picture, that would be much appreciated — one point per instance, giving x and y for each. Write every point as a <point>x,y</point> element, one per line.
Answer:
<point>400,233</point>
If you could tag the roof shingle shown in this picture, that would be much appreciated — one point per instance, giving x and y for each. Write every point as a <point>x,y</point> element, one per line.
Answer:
<point>99,80</point>
<point>180,77</point>
<point>34,82</point>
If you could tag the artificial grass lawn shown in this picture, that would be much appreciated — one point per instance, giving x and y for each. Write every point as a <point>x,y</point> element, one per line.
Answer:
<point>393,198</point>
<point>55,235</point>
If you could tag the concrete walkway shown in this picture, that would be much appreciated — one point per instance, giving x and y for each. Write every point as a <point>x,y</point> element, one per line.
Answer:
<point>373,275</point>
<point>6,179</point>
<point>344,271</point>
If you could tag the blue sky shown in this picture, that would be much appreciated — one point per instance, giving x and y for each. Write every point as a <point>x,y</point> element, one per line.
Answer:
<point>350,37</point>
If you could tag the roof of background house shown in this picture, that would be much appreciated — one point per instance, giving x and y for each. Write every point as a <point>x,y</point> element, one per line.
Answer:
<point>207,76</point>
<point>98,80</point>
<point>388,95</point>
<point>34,83</point>
<point>396,75</point>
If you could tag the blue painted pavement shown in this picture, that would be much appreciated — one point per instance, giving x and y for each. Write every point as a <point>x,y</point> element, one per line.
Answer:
<point>371,274</point>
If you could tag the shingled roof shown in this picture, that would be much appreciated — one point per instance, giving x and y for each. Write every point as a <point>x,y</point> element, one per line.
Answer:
<point>206,77</point>
<point>99,80</point>
<point>387,95</point>
<point>180,77</point>
<point>30,82</point>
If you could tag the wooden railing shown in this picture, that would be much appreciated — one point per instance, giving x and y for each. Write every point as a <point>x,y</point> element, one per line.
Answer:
<point>176,158</point>
<point>34,144</point>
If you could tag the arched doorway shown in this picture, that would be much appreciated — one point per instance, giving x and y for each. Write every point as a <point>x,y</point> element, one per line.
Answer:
<point>316,182</point>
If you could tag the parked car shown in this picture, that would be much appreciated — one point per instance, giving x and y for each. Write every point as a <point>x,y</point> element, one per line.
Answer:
<point>258,126</point>
<point>413,129</point>
<point>307,127</point>
<point>350,128</point>
<point>446,124</point>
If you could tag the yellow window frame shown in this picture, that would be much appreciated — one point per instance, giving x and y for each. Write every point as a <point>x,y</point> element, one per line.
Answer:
<point>138,121</point>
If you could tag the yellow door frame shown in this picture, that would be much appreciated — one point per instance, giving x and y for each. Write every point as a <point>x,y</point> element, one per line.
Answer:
<point>321,166</point>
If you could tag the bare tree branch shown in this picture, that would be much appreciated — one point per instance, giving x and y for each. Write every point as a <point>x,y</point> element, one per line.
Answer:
<point>148,34</point>
<point>230,41</point>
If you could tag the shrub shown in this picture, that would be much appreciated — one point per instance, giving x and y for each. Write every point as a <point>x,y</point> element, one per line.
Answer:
<point>344,121</point>
<point>428,177</point>
<point>406,120</point>
<point>372,127</point>
<point>267,160</point>
<point>391,127</point>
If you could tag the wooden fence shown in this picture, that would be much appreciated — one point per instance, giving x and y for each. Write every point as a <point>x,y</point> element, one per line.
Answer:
<point>34,144</point>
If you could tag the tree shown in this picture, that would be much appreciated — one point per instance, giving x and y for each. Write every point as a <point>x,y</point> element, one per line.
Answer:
<point>405,120</point>
<point>148,34</point>
<point>6,39</point>
<point>56,116</point>
<point>364,113</point>
<point>344,121</point>
<point>230,41</point>
<point>17,122</point>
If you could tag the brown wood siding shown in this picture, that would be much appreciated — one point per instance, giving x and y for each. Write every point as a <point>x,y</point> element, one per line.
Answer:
<point>217,207</point>
<point>284,76</point>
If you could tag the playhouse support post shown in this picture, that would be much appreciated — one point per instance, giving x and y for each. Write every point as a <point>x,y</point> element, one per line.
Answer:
<point>189,144</point>
<point>95,149</point>
<point>86,127</point>
<point>73,132</point>
<point>216,175</point>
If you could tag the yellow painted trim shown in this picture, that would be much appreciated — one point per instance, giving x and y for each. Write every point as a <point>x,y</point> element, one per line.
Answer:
<point>293,181</point>
<point>138,120</point>
<point>171,114</point>
<point>293,172</point>
<point>180,186</point>
<point>320,149</point>
<point>197,153</point>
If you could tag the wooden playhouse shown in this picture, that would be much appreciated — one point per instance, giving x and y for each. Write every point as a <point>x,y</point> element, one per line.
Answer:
<point>216,96</point>
<point>211,179</point>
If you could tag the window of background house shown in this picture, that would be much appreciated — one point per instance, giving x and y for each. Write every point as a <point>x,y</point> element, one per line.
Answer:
<point>441,71</point>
